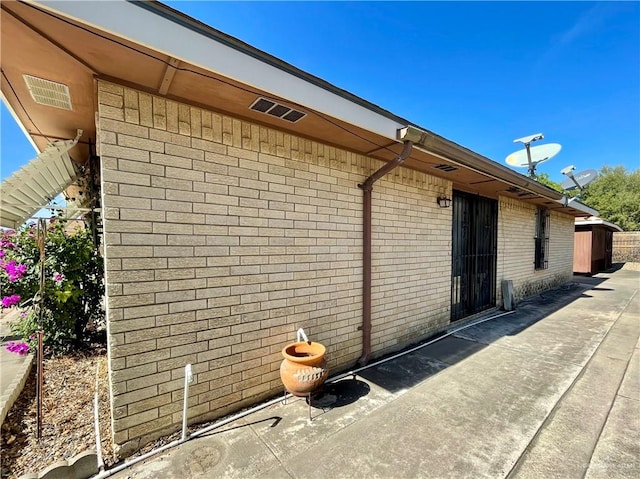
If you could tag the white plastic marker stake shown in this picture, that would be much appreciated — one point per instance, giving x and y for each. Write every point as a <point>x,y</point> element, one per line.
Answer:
<point>188,379</point>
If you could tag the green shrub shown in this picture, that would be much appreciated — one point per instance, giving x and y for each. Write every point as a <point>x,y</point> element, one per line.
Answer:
<point>73,288</point>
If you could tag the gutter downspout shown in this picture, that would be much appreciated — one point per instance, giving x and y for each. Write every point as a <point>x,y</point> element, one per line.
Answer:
<point>367,188</point>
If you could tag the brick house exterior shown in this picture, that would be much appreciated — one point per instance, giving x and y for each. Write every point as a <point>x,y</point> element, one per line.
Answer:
<point>226,229</point>
<point>224,237</point>
<point>516,228</point>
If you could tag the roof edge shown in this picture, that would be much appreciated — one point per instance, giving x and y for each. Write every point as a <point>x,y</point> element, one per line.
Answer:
<point>16,118</point>
<point>436,144</point>
<point>197,26</point>
<point>594,220</point>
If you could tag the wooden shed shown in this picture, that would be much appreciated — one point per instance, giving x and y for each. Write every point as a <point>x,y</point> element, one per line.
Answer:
<point>593,245</point>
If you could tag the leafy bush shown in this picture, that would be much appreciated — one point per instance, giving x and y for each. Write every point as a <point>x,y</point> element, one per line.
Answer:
<point>73,287</point>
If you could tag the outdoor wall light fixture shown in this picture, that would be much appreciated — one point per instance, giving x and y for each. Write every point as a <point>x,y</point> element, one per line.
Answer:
<point>444,201</point>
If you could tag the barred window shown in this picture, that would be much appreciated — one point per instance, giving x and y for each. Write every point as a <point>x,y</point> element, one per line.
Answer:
<point>541,259</point>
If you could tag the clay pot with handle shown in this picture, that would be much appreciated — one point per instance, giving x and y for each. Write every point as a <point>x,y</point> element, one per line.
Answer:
<point>304,367</point>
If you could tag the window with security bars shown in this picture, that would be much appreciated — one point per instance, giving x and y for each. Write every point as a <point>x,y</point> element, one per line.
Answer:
<point>541,239</point>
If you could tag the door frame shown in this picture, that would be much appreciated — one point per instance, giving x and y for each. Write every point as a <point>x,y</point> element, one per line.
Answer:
<point>474,246</point>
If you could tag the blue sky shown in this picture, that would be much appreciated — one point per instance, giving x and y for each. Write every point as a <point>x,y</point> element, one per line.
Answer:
<point>479,73</point>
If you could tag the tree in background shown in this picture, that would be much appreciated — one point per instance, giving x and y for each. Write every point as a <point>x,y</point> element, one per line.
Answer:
<point>616,195</point>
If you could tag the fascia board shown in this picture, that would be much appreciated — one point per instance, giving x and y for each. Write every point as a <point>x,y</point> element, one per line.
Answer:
<point>137,24</point>
<point>598,221</point>
<point>576,205</point>
<point>448,150</point>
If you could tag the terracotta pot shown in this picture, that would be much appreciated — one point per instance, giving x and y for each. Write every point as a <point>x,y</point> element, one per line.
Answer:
<point>304,367</point>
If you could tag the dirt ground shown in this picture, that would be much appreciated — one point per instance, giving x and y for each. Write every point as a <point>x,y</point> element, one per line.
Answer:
<point>67,415</point>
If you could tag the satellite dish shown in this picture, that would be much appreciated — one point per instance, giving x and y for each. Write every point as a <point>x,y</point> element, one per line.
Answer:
<point>533,156</point>
<point>538,155</point>
<point>577,180</point>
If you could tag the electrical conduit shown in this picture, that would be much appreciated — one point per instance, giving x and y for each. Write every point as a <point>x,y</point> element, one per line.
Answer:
<point>279,399</point>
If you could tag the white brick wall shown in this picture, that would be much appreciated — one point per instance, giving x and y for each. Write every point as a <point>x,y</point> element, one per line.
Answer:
<point>516,249</point>
<point>411,264</point>
<point>224,237</point>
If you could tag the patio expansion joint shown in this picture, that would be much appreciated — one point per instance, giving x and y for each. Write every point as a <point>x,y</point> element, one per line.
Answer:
<point>624,374</point>
<point>516,466</point>
<point>627,397</point>
<point>272,451</point>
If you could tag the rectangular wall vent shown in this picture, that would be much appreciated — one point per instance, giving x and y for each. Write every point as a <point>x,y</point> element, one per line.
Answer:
<point>275,109</point>
<point>446,168</point>
<point>49,93</point>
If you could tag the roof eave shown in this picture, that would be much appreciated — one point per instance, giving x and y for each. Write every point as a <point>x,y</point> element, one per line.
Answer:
<point>16,118</point>
<point>600,222</point>
<point>435,144</point>
<point>182,37</point>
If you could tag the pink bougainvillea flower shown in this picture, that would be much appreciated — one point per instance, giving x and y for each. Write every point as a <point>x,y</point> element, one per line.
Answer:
<point>18,347</point>
<point>2,253</point>
<point>23,315</point>
<point>57,277</point>
<point>5,240</point>
<point>15,271</point>
<point>9,301</point>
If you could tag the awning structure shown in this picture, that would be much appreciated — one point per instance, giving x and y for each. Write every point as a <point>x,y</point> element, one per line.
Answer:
<point>594,220</point>
<point>33,186</point>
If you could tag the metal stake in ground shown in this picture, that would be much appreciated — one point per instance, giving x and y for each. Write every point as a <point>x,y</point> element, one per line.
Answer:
<point>42,232</point>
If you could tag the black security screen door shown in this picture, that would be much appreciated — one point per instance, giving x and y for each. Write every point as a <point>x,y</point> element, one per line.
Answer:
<point>474,251</point>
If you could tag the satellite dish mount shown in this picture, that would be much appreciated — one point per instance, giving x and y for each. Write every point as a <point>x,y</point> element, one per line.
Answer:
<point>576,181</point>
<point>527,140</point>
<point>531,157</point>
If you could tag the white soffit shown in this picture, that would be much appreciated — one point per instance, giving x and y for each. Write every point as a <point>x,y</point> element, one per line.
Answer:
<point>33,186</point>
<point>124,19</point>
<point>576,205</point>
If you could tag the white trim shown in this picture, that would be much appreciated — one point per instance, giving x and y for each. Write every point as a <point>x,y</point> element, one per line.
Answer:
<point>37,183</point>
<point>594,220</point>
<point>576,205</point>
<point>124,19</point>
